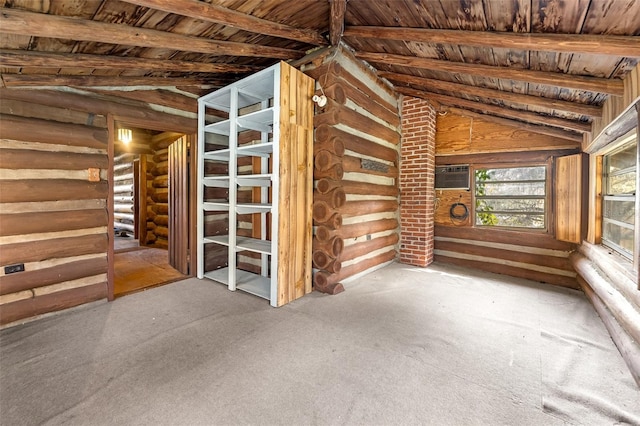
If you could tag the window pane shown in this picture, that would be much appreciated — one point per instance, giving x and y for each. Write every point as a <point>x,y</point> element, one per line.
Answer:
<point>622,159</point>
<point>622,184</point>
<point>511,220</point>
<point>503,197</point>
<point>623,211</point>
<point>515,205</point>
<point>618,205</point>
<point>517,173</point>
<point>514,189</point>
<point>622,237</point>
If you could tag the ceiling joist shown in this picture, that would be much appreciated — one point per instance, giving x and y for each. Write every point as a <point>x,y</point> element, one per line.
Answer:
<point>48,80</point>
<point>20,22</point>
<point>35,59</point>
<point>569,81</point>
<point>600,44</point>
<point>542,122</point>
<point>548,103</point>
<point>232,18</point>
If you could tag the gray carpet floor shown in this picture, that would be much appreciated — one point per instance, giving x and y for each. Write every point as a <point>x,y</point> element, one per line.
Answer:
<point>403,345</point>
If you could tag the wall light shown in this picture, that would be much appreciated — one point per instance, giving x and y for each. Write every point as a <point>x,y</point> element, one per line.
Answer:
<point>125,135</point>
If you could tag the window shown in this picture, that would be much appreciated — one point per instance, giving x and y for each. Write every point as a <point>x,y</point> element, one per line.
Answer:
<point>618,204</point>
<point>512,197</point>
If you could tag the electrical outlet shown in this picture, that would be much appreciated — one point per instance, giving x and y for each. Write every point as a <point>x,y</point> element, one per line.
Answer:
<point>12,269</point>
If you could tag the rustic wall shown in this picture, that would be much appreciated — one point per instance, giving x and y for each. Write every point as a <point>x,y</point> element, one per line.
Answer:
<point>534,255</point>
<point>611,282</point>
<point>123,197</point>
<point>355,171</point>
<point>417,181</point>
<point>54,216</point>
<point>53,213</point>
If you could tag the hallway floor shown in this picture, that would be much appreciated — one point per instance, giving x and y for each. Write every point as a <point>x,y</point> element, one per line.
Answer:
<point>141,268</point>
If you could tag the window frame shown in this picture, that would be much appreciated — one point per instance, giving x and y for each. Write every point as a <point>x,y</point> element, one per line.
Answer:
<point>620,145</point>
<point>548,199</point>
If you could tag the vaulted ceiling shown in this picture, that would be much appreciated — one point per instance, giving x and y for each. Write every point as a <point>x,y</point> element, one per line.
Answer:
<point>542,62</point>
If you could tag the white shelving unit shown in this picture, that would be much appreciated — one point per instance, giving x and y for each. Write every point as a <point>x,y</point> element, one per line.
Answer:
<point>240,172</point>
<point>252,104</point>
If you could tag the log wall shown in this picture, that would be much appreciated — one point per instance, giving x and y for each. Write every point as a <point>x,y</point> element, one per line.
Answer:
<point>158,190</point>
<point>610,281</point>
<point>532,255</point>
<point>123,193</point>
<point>53,213</point>
<point>54,192</point>
<point>356,144</point>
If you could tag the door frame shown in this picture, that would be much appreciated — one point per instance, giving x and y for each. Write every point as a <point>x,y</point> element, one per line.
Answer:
<point>191,134</point>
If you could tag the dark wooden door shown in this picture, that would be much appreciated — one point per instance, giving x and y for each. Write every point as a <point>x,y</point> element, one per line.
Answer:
<point>179,201</point>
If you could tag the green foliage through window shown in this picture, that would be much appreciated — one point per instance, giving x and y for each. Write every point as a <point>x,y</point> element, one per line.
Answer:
<point>511,197</point>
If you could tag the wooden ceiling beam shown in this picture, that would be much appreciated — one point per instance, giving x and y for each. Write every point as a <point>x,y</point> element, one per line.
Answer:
<point>99,104</point>
<point>548,103</point>
<point>232,18</point>
<point>569,81</point>
<point>35,59</point>
<point>45,80</point>
<point>600,44</point>
<point>158,96</point>
<point>20,22</point>
<point>336,23</point>
<point>553,124</point>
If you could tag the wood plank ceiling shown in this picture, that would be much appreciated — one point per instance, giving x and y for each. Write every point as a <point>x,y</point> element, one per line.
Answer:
<point>546,63</point>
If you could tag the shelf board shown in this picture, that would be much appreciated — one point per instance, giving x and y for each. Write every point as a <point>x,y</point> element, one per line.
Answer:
<point>256,150</point>
<point>257,88</point>
<point>216,181</point>
<point>263,180</point>
<point>253,283</point>
<point>261,121</point>
<point>215,206</point>
<point>220,128</point>
<point>254,245</point>
<point>220,99</point>
<point>249,208</point>
<point>221,275</point>
<point>217,239</point>
<point>220,155</point>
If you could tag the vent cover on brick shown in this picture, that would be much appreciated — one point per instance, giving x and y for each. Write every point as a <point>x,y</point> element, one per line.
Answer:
<point>452,177</point>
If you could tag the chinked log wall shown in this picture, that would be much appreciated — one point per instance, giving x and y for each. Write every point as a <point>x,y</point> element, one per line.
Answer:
<point>123,200</point>
<point>53,216</point>
<point>158,190</point>
<point>532,255</point>
<point>355,209</point>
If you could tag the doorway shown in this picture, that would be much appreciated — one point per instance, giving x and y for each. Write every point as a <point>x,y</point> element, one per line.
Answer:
<point>149,248</point>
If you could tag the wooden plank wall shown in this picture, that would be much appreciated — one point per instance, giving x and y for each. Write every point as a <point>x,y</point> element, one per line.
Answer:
<point>615,105</point>
<point>53,213</point>
<point>296,185</point>
<point>356,142</point>
<point>533,255</point>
